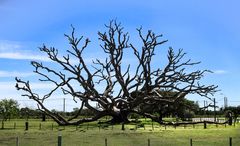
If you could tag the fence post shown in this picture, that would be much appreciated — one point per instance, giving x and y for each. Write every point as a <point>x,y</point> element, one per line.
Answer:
<point>26,126</point>
<point>148,142</point>
<point>59,140</point>
<point>105,141</point>
<point>152,125</point>
<point>17,141</point>
<point>190,142</point>
<point>230,141</point>
<point>205,125</point>
<point>123,128</point>
<point>2,124</point>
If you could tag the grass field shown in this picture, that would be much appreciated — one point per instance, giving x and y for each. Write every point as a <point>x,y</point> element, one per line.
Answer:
<point>46,134</point>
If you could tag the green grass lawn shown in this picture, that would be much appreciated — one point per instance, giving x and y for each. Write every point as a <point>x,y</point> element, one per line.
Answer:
<point>92,135</point>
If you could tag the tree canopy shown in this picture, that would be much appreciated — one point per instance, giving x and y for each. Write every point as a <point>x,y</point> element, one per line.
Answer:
<point>125,87</point>
<point>8,109</point>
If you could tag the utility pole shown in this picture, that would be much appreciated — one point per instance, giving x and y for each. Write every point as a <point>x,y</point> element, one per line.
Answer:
<point>64,105</point>
<point>214,106</point>
<point>207,105</point>
<point>204,108</point>
<point>225,102</point>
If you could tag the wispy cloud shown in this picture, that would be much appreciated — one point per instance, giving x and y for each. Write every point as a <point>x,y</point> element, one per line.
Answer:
<point>22,56</point>
<point>15,50</point>
<point>8,45</point>
<point>8,90</point>
<point>15,74</point>
<point>220,72</point>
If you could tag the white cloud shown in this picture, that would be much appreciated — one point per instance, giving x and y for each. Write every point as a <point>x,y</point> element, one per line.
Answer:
<point>9,46</point>
<point>220,72</point>
<point>23,56</point>
<point>19,51</point>
<point>14,50</point>
<point>8,90</point>
<point>41,85</point>
<point>7,86</point>
<point>15,74</point>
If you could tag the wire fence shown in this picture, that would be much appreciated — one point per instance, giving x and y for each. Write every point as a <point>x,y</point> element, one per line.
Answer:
<point>59,141</point>
<point>101,125</point>
<point>101,128</point>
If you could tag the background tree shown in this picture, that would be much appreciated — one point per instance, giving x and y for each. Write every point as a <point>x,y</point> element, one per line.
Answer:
<point>9,108</point>
<point>234,110</point>
<point>182,109</point>
<point>125,86</point>
<point>27,113</point>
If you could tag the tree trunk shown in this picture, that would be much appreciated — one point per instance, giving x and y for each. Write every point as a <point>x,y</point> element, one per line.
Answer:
<point>230,121</point>
<point>120,117</point>
<point>43,117</point>
<point>160,118</point>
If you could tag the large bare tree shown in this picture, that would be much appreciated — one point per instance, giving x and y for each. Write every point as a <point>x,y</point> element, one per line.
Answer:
<point>126,87</point>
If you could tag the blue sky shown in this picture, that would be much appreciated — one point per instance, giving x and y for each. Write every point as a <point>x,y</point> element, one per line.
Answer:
<point>207,30</point>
